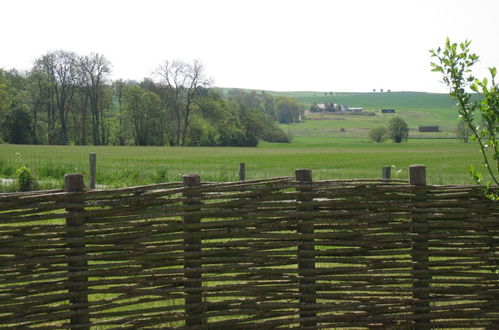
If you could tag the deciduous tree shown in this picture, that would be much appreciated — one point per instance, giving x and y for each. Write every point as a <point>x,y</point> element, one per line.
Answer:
<point>183,84</point>
<point>288,110</point>
<point>398,129</point>
<point>378,134</point>
<point>61,67</point>
<point>95,69</point>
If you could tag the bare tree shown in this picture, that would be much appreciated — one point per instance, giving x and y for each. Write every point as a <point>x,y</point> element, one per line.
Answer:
<point>62,69</point>
<point>182,85</point>
<point>95,69</point>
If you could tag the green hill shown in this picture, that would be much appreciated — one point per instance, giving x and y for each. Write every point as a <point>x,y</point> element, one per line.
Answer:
<point>376,100</point>
<point>416,108</point>
<point>402,100</point>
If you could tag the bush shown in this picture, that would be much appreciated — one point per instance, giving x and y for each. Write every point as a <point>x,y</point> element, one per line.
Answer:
<point>398,130</point>
<point>25,179</point>
<point>276,135</point>
<point>378,134</point>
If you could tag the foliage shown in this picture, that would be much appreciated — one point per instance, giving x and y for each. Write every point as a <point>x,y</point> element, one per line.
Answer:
<point>378,134</point>
<point>257,114</point>
<point>288,110</point>
<point>261,101</point>
<point>181,86</point>
<point>15,118</point>
<point>398,130</point>
<point>455,63</point>
<point>143,114</point>
<point>25,179</point>
<point>69,99</point>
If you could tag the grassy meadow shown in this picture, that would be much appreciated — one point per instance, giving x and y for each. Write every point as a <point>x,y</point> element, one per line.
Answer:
<point>339,159</point>
<point>333,146</point>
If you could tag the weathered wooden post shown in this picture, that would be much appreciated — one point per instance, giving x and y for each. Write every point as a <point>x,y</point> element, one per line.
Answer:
<point>192,264</point>
<point>386,172</point>
<point>77,264</point>
<point>419,252</point>
<point>92,157</point>
<point>242,171</point>
<point>306,255</point>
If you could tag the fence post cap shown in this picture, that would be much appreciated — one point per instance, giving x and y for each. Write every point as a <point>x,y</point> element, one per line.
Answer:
<point>417,175</point>
<point>303,174</point>
<point>191,180</point>
<point>73,182</point>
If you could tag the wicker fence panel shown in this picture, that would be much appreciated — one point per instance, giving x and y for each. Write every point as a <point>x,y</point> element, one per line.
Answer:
<point>254,254</point>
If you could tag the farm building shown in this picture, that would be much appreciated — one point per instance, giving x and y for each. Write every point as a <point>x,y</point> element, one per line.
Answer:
<point>388,111</point>
<point>321,106</point>
<point>429,129</point>
<point>355,109</point>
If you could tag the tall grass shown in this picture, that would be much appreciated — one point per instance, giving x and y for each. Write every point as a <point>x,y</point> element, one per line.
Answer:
<point>447,161</point>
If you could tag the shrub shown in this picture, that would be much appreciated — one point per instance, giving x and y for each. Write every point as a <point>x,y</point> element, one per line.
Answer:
<point>378,134</point>
<point>25,179</point>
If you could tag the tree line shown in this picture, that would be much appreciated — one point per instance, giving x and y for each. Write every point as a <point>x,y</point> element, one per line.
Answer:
<point>66,98</point>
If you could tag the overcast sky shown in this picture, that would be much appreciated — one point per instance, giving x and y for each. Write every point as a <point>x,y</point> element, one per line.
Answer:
<point>347,45</point>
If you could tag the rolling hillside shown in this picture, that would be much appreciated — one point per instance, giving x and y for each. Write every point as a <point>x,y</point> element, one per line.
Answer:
<point>416,108</point>
<point>412,100</point>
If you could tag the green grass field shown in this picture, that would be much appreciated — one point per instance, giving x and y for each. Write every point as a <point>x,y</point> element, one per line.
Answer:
<point>333,146</point>
<point>447,161</point>
<point>341,125</point>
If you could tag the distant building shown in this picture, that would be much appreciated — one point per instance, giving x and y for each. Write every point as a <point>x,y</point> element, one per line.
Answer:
<point>343,107</point>
<point>429,129</point>
<point>355,109</point>
<point>321,106</point>
<point>388,111</point>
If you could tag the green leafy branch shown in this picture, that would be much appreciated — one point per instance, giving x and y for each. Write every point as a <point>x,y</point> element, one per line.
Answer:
<point>455,62</point>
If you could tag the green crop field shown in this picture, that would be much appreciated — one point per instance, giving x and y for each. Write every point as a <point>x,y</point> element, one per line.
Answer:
<point>447,161</point>
<point>333,146</point>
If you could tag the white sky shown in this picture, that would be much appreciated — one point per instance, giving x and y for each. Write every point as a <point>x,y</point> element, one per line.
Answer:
<point>342,45</point>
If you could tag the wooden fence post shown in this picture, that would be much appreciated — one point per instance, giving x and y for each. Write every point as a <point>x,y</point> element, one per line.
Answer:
<point>242,171</point>
<point>306,256</point>
<point>386,172</point>
<point>92,157</point>
<point>419,252</point>
<point>192,264</point>
<point>77,268</point>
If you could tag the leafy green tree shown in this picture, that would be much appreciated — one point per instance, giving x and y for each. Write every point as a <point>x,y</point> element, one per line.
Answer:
<point>15,117</point>
<point>288,110</point>
<point>378,134</point>
<point>4,97</point>
<point>17,123</point>
<point>398,130</point>
<point>143,109</point>
<point>119,134</point>
<point>455,63</point>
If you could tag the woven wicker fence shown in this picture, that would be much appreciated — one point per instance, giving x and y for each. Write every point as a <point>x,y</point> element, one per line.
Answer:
<point>283,252</point>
